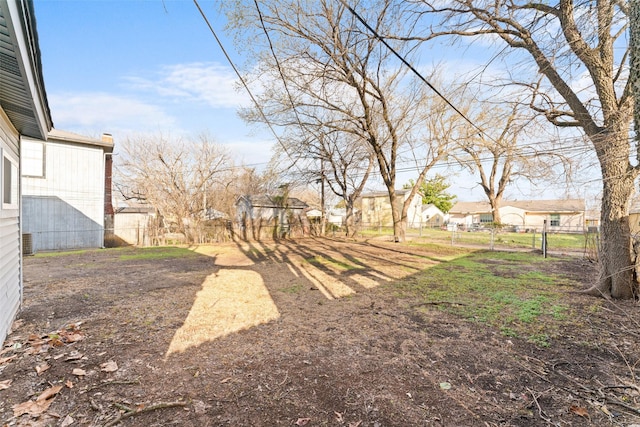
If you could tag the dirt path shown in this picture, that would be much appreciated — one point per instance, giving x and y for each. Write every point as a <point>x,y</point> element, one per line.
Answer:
<point>308,333</point>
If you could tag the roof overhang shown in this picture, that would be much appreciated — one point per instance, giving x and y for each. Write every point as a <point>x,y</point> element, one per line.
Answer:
<point>70,137</point>
<point>22,94</point>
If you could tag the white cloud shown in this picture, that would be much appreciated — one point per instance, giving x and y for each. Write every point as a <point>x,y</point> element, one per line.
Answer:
<point>209,83</point>
<point>105,112</point>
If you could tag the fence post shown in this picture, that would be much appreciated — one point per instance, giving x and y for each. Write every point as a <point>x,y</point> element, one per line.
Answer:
<point>544,238</point>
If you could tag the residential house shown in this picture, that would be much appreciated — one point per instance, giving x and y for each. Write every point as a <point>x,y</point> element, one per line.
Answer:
<point>63,210</point>
<point>634,217</point>
<point>134,224</point>
<point>24,112</point>
<point>432,216</point>
<point>561,215</point>
<point>376,209</point>
<point>262,216</point>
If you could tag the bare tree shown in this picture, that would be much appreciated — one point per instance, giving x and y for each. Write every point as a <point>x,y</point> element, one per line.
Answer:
<point>505,152</point>
<point>173,176</point>
<point>565,40</point>
<point>234,182</point>
<point>340,77</point>
<point>337,160</point>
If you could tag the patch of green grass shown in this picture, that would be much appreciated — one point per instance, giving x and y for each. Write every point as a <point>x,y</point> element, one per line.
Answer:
<point>293,289</point>
<point>157,253</point>
<point>503,238</point>
<point>513,292</point>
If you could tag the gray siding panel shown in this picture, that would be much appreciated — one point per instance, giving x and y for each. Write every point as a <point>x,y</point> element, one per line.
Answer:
<point>9,273</point>
<point>55,224</point>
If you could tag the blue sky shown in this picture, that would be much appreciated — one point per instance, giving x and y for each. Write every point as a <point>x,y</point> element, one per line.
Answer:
<point>132,67</point>
<point>137,67</point>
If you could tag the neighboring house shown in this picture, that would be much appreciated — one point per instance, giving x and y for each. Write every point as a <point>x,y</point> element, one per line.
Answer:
<point>64,210</point>
<point>376,208</point>
<point>634,217</point>
<point>273,213</point>
<point>134,223</point>
<point>24,112</point>
<point>268,207</point>
<point>566,215</point>
<point>432,216</point>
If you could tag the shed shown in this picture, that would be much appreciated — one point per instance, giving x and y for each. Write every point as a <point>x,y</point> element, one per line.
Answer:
<point>276,216</point>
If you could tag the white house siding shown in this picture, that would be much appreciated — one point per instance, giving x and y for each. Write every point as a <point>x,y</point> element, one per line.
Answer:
<point>65,208</point>
<point>10,267</point>
<point>569,221</point>
<point>376,209</point>
<point>133,227</point>
<point>513,216</point>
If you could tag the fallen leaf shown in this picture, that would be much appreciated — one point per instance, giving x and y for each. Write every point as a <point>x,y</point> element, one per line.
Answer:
<point>579,410</point>
<point>303,421</point>
<point>338,417</point>
<point>41,368</point>
<point>39,406</point>
<point>67,421</point>
<point>109,366</point>
<point>355,423</point>
<point>74,355</point>
<point>226,380</point>
<point>445,385</point>
<point>5,384</point>
<point>49,393</point>
<point>30,407</point>
<point>69,384</point>
<point>79,372</point>
<point>73,337</point>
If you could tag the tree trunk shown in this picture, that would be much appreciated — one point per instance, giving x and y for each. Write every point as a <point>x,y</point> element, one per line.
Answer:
<point>495,202</point>
<point>398,229</point>
<point>616,277</point>
<point>348,220</point>
<point>616,267</point>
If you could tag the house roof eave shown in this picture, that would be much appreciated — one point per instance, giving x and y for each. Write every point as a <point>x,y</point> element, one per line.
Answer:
<point>23,97</point>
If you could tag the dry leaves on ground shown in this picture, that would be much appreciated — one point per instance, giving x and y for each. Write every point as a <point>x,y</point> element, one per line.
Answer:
<point>40,405</point>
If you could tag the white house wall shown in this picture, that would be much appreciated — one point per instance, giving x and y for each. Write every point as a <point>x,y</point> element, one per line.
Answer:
<point>65,208</point>
<point>513,216</point>
<point>568,221</point>
<point>133,228</point>
<point>10,267</point>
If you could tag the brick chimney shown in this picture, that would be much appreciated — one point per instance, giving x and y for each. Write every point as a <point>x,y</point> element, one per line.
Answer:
<point>108,202</point>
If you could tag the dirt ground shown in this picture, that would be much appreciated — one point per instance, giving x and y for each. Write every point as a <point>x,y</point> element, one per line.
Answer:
<point>261,335</point>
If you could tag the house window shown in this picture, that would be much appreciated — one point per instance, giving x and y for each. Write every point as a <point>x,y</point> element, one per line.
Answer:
<point>554,220</point>
<point>10,182</point>
<point>486,218</point>
<point>33,156</point>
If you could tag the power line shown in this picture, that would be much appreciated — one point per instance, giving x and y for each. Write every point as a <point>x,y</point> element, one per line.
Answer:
<point>411,67</point>
<point>244,84</point>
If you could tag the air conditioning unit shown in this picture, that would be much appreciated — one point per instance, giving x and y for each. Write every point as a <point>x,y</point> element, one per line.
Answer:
<point>27,244</point>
